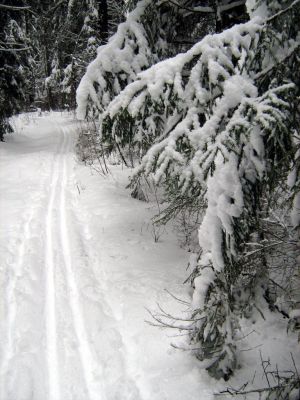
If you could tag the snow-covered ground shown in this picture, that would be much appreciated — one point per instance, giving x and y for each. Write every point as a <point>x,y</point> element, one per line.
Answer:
<point>79,269</point>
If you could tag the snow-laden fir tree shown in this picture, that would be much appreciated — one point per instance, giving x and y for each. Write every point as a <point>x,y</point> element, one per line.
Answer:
<point>220,123</point>
<point>153,31</point>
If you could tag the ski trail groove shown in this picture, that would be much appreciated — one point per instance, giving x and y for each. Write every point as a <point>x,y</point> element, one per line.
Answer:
<point>12,304</point>
<point>89,365</point>
<point>17,272</point>
<point>50,307</point>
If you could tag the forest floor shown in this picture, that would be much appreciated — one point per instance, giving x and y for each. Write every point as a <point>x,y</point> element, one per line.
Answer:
<point>79,268</point>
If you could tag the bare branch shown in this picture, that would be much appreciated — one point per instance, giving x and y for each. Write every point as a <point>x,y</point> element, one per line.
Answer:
<point>234,392</point>
<point>176,298</point>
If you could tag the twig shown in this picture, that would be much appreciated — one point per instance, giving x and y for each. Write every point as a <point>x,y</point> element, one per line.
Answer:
<point>15,49</point>
<point>164,324</point>
<point>201,10</point>
<point>296,372</point>
<point>176,298</point>
<point>250,253</point>
<point>253,377</point>
<point>15,8</point>
<point>261,313</point>
<point>169,316</point>
<point>262,390</point>
<point>265,367</point>
<point>282,11</point>
<point>252,348</point>
<point>242,338</point>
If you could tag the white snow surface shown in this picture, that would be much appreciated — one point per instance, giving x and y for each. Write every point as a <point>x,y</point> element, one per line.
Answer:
<point>79,268</point>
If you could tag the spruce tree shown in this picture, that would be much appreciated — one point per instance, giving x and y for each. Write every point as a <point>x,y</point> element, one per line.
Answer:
<point>219,125</point>
<point>153,31</point>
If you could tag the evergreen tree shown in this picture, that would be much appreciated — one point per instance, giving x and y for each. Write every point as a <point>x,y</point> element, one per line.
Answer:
<point>218,125</point>
<point>14,62</point>
<point>79,28</point>
<point>153,31</point>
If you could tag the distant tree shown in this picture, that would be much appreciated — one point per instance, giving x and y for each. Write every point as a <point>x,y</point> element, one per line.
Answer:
<point>78,29</point>
<point>45,48</point>
<point>15,89</point>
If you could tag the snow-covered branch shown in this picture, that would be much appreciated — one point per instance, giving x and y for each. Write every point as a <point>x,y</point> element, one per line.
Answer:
<point>118,62</point>
<point>215,122</point>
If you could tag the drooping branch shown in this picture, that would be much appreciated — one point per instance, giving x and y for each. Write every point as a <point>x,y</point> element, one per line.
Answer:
<point>15,8</point>
<point>198,9</point>
<point>207,9</point>
<point>14,49</point>
<point>282,11</point>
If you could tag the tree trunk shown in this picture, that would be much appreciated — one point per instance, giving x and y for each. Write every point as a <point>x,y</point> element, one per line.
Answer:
<point>103,11</point>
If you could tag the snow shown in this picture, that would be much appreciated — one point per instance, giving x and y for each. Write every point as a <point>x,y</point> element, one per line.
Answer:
<point>292,182</point>
<point>268,341</point>
<point>125,55</point>
<point>202,283</point>
<point>295,214</point>
<point>225,201</point>
<point>255,10</point>
<point>79,269</point>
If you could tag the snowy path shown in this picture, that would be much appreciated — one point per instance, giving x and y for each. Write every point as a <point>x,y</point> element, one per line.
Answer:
<point>57,227</point>
<point>77,274</point>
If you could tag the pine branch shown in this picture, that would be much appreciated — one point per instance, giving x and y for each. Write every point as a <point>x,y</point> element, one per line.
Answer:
<point>52,9</point>
<point>279,62</point>
<point>282,11</point>
<point>164,324</point>
<point>14,49</point>
<point>199,9</point>
<point>206,9</point>
<point>177,299</point>
<point>15,8</point>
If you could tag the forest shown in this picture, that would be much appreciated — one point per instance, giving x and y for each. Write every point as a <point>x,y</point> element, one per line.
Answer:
<point>199,101</point>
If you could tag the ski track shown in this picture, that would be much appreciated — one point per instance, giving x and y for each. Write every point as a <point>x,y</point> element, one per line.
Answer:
<point>50,306</point>
<point>73,348</point>
<point>17,275</point>
<point>89,366</point>
<point>57,225</point>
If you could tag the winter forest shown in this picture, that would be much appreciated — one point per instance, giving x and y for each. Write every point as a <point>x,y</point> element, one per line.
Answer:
<point>149,199</point>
